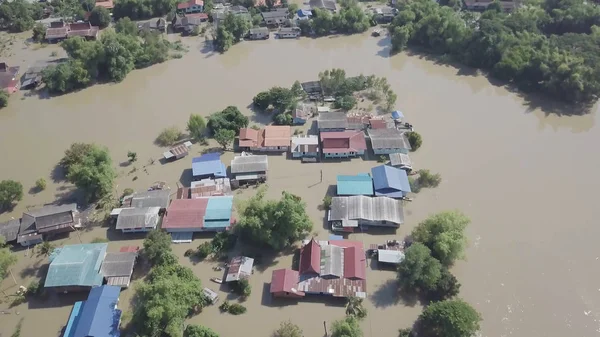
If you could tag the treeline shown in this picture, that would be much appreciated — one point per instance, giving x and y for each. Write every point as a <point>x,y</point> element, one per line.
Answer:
<point>350,19</point>
<point>19,15</point>
<point>110,58</point>
<point>142,9</point>
<point>551,46</point>
<point>231,31</point>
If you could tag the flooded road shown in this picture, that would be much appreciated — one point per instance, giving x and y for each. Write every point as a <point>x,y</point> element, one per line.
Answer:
<point>527,180</point>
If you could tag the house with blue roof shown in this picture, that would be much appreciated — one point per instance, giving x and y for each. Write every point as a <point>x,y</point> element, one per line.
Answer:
<point>360,184</point>
<point>390,182</point>
<point>98,316</point>
<point>76,267</point>
<point>208,165</point>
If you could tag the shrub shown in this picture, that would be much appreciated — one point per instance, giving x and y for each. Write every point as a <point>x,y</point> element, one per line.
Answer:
<point>10,192</point>
<point>169,136</point>
<point>242,287</point>
<point>236,309</point>
<point>204,250</point>
<point>188,253</point>
<point>345,102</point>
<point>127,191</point>
<point>327,202</point>
<point>224,307</point>
<point>132,156</point>
<point>382,159</point>
<point>40,184</point>
<point>35,289</point>
<point>415,140</point>
<point>428,179</point>
<point>3,98</point>
<point>99,240</point>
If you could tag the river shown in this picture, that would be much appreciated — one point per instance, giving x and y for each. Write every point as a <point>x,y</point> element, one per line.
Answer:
<point>523,175</point>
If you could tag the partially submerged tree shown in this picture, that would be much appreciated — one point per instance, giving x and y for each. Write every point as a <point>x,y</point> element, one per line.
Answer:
<point>355,308</point>
<point>415,140</point>
<point>3,98</point>
<point>10,192</point>
<point>196,126</point>
<point>273,223</point>
<point>347,327</point>
<point>157,248</point>
<point>225,137</point>
<point>444,234</point>
<point>100,17</point>
<point>288,329</point>
<point>230,118</point>
<point>450,318</point>
<point>242,287</point>
<point>45,248</point>
<point>94,174</point>
<point>169,136</point>
<point>7,258</point>
<point>198,331</point>
<point>126,26</point>
<point>419,270</point>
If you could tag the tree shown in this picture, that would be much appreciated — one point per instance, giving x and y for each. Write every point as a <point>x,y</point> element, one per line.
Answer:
<point>157,248</point>
<point>444,234</point>
<point>242,287</point>
<point>407,332</point>
<point>39,32</point>
<point>275,224</point>
<point>327,202</point>
<point>170,294</point>
<point>288,329</point>
<point>132,156</point>
<point>120,54</point>
<point>419,270</point>
<point>428,179</point>
<point>450,318</point>
<point>100,17</point>
<point>204,250</point>
<point>198,331</point>
<point>346,102</point>
<point>292,9</point>
<point>66,77</point>
<point>196,126</point>
<point>75,155</point>
<point>126,26</point>
<point>222,39</point>
<point>282,99</point>
<point>40,184</point>
<point>94,174</point>
<point>297,90</point>
<point>236,309</point>
<point>45,249</point>
<point>7,259</point>
<point>230,118</point>
<point>322,22</point>
<point>262,100</point>
<point>142,9</point>
<point>447,287</point>
<point>169,136</point>
<point>3,99</point>
<point>355,308</point>
<point>10,192</point>
<point>347,327</point>
<point>225,137</point>
<point>415,140</point>
<point>283,119</point>
<point>19,15</point>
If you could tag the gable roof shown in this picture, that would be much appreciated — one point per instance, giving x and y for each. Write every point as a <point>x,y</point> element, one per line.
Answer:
<point>99,316</point>
<point>209,164</point>
<point>284,280</point>
<point>310,258</point>
<point>388,139</point>
<point>10,229</point>
<point>142,217</point>
<point>360,184</point>
<point>239,267</point>
<point>155,198</point>
<point>277,135</point>
<point>190,3</point>
<point>390,181</point>
<point>249,164</point>
<point>51,216</point>
<point>323,4</point>
<point>276,14</point>
<point>118,264</point>
<point>185,213</point>
<point>332,120</point>
<point>308,143</point>
<point>249,137</point>
<point>355,263</point>
<point>398,159</point>
<point>76,265</point>
<point>344,141</point>
<point>360,207</point>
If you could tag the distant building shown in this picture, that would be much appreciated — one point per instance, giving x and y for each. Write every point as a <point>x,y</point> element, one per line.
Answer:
<point>360,184</point>
<point>289,32</point>
<point>239,267</point>
<point>329,5</point>
<point>208,165</point>
<point>334,268</point>
<point>249,168</point>
<point>117,268</point>
<point>301,114</point>
<point>47,221</point>
<point>261,33</point>
<point>133,220</point>
<point>187,216</point>
<point>154,25</point>
<point>205,188</point>
<point>186,24</point>
<point>482,5</point>
<point>340,121</point>
<point>343,144</point>
<point>305,146</point>
<point>390,182</point>
<point>312,88</point>
<point>108,4</point>
<point>59,30</point>
<point>272,138</point>
<point>386,141</point>
<point>98,316</point>
<point>385,14</point>
<point>275,18</point>
<point>10,230</point>
<point>155,198</point>
<point>76,267</point>
<point>191,6</point>
<point>177,151</point>
<point>8,78</point>
<point>349,213</point>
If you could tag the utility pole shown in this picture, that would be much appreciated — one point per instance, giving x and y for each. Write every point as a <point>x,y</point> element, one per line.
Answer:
<point>325,327</point>
<point>13,276</point>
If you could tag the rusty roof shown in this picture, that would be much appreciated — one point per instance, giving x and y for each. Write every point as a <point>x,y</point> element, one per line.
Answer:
<point>249,137</point>
<point>277,135</point>
<point>185,213</point>
<point>310,258</point>
<point>285,280</point>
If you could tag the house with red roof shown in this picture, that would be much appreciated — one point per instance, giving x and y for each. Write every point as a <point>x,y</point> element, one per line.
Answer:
<point>191,6</point>
<point>272,138</point>
<point>332,268</point>
<point>343,144</point>
<point>8,78</point>
<point>108,4</point>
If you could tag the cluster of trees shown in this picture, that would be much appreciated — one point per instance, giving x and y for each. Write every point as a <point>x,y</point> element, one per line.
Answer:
<point>89,167</point>
<point>20,15</point>
<point>10,192</point>
<point>226,124</point>
<point>425,179</point>
<point>273,223</point>
<point>335,83</point>
<point>3,98</point>
<point>193,330</point>
<point>170,293</point>
<point>110,58</point>
<point>550,46</point>
<point>282,100</point>
<point>7,258</point>
<point>350,19</point>
<point>142,9</point>
<point>220,243</point>
<point>232,308</point>
<point>288,329</point>
<point>231,31</point>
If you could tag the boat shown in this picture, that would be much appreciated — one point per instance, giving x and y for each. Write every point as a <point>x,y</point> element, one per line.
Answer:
<point>217,280</point>
<point>376,32</point>
<point>218,268</point>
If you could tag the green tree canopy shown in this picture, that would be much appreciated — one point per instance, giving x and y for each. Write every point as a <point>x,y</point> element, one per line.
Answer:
<point>262,100</point>
<point>347,327</point>
<point>142,9</point>
<point>10,192</point>
<point>273,223</point>
<point>415,140</point>
<point>446,287</point>
<point>100,17</point>
<point>355,307</point>
<point>198,331</point>
<point>222,39</point>
<point>93,173</point>
<point>196,126</point>
<point>157,248</point>
<point>450,318</point>
<point>7,258</point>
<point>225,137</point>
<point>39,32</point>
<point>288,329</point>
<point>419,270</point>
<point>126,26</point>
<point>230,118</point>
<point>230,31</point>
<point>19,15</point>
<point>66,77</point>
<point>444,234</point>
<point>3,98</point>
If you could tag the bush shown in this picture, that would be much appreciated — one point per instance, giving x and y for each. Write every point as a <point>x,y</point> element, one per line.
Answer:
<point>242,287</point>
<point>127,191</point>
<point>132,156</point>
<point>10,192</point>
<point>428,179</point>
<point>236,309</point>
<point>415,140</point>
<point>224,307</point>
<point>283,119</point>
<point>288,329</point>
<point>450,318</point>
<point>345,102</point>
<point>169,136</point>
<point>40,184</point>
<point>39,32</point>
<point>188,253</point>
<point>382,159</point>
<point>327,202</point>
<point>414,185</point>
<point>204,250</point>
<point>100,17</point>
<point>99,240</point>
<point>3,98</point>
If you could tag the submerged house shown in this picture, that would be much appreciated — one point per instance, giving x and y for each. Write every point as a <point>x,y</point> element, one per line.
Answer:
<point>59,30</point>
<point>272,138</point>
<point>301,114</point>
<point>386,141</point>
<point>8,78</point>
<point>205,188</point>
<point>98,316</point>
<point>185,217</point>
<point>401,161</point>
<point>208,165</point>
<point>154,25</point>
<point>390,182</point>
<point>191,6</point>
<point>305,146</point>
<point>10,230</point>
<point>239,267</point>
<point>360,184</point>
<point>332,268</point>
<point>47,221</point>
<point>343,144</point>
<point>260,33</point>
<point>117,268</point>
<point>276,17</point>
<point>289,32</point>
<point>155,198</point>
<point>346,214</point>
<point>76,267</point>
<point>186,24</point>
<point>138,219</point>
<point>177,151</point>
<point>312,88</point>
<point>249,168</point>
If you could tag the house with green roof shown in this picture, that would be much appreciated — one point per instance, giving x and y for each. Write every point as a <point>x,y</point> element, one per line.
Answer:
<point>76,267</point>
<point>360,184</point>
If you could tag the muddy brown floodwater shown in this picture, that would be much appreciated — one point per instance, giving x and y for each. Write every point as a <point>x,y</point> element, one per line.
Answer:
<point>528,181</point>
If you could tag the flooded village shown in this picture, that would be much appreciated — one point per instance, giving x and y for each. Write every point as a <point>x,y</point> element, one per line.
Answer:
<point>529,263</point>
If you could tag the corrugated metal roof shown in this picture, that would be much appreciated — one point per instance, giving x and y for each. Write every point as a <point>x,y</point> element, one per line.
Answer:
<point>10,229</point>
<point>185,213</point>
<point>332,261</point>
<point>388,139</point>
<point>219,208</point>
<point>360,207</point>
<point>360,184</point>
<point>145,217</point>
<point>390,256</point>
<point>239,267</point>
<point>249,164</point>
<point>390,181</point>
<point>155,198</point>
<point>285,280</point>
<point>310,258</point>
<point>76,265</point>
<point>118,264</point>
<point>355,263</point>
<point>332,120</point>
<point>400,159</point>
<point>209,164</point>
<point>99,315</point>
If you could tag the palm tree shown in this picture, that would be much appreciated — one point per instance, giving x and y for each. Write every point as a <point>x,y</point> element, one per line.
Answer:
<point>45,249</point>
<point>355,308</point>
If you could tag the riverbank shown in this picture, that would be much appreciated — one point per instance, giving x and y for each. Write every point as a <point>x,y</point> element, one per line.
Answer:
<point>495,153</point>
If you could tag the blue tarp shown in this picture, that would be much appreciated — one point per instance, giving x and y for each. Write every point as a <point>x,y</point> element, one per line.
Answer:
<point>397,114</point>
<point>304,13</point>
<point>360,184</point>
<point>99,316</point>
<point>209,164</point>
<point>390,181</point>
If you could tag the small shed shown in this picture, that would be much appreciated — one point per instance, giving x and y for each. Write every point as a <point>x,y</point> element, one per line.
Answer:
<point>401,161</point>
<point>239,267</point>
<point>212,296</point>
<point>144,219</point>
<point>10,229</point>
<point>117,268</point>
<point>390,256</point>
<point>178,152</point>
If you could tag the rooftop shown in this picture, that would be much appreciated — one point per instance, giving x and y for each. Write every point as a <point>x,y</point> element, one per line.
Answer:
<point>209,164</point>
<point>390,256</point>
<point>185,213</point>
<point>118,264</point>
<point>388,139</point>
<point>285,280</point>
<point>344,141</point>
<point>400,159</point>
<point>308,143</point>
<point>10,229</point>
<point>249,164</point>
<point>323,4</point>
<point>8,75</point>
<point>98,316</point>
<point>239,267</point>
<point>155,198</point>
<point>190,3</point>
<point>390,181</point>
<point>361,207</point>
<point>360,184</point>
<point>76,265</point>
<point>332,120</point>
<point>278,13</point>
<point>143,217</point>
